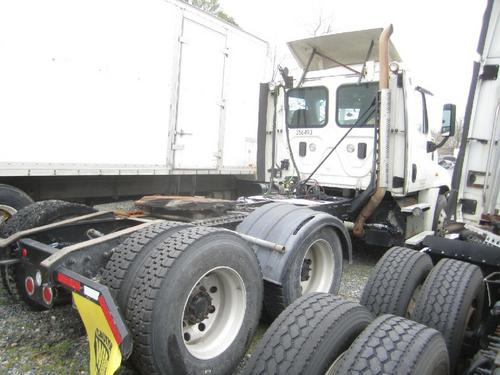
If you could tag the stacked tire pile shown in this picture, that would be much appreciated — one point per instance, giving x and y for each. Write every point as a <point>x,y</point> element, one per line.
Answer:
<point>413,318</point>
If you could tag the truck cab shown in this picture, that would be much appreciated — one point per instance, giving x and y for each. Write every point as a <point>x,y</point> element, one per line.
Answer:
<point>337,134</point>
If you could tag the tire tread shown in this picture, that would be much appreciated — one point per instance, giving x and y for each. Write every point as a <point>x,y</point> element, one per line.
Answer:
<point>384,292</point>
<point>390,345</point>
<point>295,336</point>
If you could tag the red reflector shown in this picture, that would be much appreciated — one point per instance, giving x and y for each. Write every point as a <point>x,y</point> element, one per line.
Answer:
<point>68,281</point>
<point>110,319</point>
<point>29,284</point>
<point>47,295</point>
<point>24,252</point>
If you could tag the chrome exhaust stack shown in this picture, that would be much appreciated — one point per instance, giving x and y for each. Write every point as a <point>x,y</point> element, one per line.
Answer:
<point>382,133</point>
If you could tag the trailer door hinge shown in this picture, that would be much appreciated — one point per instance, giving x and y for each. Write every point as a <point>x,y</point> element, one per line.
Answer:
<point>177,147</point>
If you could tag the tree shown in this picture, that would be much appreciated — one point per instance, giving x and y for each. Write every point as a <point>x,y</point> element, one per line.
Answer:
<point>212,6</point>
<point>321,26</point>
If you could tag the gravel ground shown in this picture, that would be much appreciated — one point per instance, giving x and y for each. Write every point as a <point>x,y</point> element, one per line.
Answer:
<point>54,342</point>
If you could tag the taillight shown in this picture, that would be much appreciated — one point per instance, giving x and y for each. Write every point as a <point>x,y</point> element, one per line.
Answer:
<point>47,295</point>
<point>24,252</point>
<point>69,281</point>
<point>29,285</point>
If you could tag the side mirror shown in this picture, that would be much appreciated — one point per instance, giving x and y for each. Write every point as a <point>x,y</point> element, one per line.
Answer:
<point>448,123</point>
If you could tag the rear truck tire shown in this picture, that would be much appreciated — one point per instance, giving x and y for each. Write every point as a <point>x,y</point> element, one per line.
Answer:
<point>451,301</point>
<point>395,281</point>
<point>397,346</point>
<point>308,336</point>
<point>127,258</point>
<point>12,200</point>
<point>440,220</point>
<point>35,215</point>
<point>195,303</point>
<point>312,261</point>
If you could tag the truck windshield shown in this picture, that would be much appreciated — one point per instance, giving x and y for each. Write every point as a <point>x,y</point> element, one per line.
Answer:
<point>352,101</point>
<point>307,107</point>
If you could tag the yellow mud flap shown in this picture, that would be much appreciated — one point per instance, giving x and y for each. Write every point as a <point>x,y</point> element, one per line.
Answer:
<point>105,354</point>
<point>109,339</point>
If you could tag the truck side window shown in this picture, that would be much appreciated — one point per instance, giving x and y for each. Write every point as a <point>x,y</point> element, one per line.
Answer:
<point>353,101</point>
<point>307,107</point>
<point>425,118</point>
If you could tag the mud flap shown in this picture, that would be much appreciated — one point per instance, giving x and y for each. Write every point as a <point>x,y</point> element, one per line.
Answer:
<point>108,336</point>
<point>105,354</point>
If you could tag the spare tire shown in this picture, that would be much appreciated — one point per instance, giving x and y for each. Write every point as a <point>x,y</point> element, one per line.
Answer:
<point>308,336</point>
<point>34,215</point>
<point>451,301</point>
<point>195,303</point>
<point>397,346</point>
<point>395,281</point>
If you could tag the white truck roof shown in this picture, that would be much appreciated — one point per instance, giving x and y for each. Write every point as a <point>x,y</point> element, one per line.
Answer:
<point>333,50</point>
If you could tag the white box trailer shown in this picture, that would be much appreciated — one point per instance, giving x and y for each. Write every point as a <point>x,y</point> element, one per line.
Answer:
<point>124,87</point>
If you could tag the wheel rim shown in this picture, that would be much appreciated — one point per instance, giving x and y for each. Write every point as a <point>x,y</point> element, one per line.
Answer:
<point>332,370</point>
<point>6,212</point>
<point>413,302</point>
<point>213,312</point>
<point>318,268</point>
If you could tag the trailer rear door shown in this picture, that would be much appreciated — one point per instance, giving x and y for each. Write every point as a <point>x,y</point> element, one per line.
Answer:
<point>200,106</point>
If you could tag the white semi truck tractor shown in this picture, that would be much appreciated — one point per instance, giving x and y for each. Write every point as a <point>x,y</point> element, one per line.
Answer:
<point>433,306</point>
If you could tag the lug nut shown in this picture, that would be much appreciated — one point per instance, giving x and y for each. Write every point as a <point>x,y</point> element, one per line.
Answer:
<point>201,327</point>
<point>187,336</point>
<point>213,289</point>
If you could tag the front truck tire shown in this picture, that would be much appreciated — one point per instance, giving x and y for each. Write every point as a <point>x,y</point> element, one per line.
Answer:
<point>195,303</point>
<point>451,301</point>
<point>34,215</point>
<point>440,219</point>
<point>312,262</point>
<point>397,346</point>
<point>12,200</point>
<point>308,336</point>
<point>395,281</point>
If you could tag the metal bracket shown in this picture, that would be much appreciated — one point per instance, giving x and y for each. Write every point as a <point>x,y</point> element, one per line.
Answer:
<point>490,238</point>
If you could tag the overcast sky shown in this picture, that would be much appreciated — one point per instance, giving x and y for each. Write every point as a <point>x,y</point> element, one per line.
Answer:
<point>436,39</point>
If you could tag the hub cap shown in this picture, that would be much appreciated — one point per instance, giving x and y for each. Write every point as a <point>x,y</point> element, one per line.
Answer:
<point>213,312</point>
<point>318,268</point>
